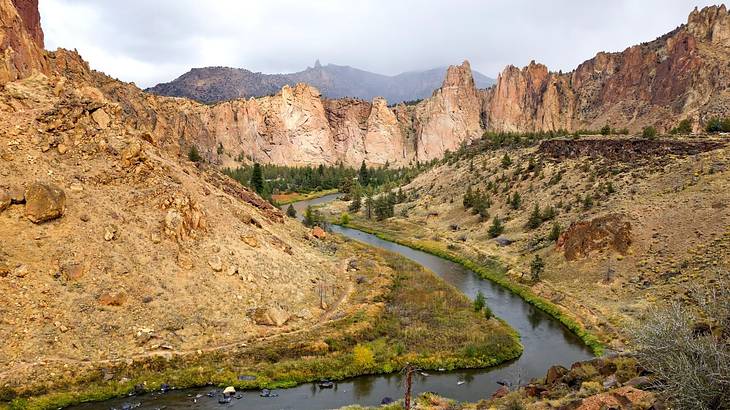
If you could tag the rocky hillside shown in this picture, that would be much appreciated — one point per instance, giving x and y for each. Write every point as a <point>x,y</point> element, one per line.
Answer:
<point>621,223</point>
<point>112,248</point>
<point>215,84</point>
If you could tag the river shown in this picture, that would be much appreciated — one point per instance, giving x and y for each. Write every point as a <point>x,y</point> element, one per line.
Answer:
<point>546,342</point>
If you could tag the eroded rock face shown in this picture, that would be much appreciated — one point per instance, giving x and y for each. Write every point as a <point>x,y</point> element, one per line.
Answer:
<point>450,117</point>
<point>21,40</point>
<point>605,232</point>
<point>683,74</point>
<point>44,202</point>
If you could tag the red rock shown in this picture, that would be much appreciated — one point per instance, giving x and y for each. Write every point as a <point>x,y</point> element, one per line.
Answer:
<point>112,299</point>
<point>501,392</point>
<point>554,374</point>
<point>319,233</point>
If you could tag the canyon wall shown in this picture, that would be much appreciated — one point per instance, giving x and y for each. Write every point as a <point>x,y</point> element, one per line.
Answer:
<point>683,74</point>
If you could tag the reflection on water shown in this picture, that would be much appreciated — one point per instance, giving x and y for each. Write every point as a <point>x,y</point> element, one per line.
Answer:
<point>546,342</point>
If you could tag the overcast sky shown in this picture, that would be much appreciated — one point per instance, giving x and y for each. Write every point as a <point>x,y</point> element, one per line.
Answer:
<point>151,41</point>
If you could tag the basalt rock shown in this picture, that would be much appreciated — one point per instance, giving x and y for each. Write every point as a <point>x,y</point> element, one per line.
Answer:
<point>605,232</point>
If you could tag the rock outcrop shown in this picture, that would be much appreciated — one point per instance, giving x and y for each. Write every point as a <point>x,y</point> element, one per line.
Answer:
<point>683,74</point>
<point>605,232</point>
<point>451,116</point>
<point>21,40</point>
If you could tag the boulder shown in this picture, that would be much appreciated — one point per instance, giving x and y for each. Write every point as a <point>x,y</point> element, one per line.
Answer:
<point>271,316</point>
<point>112,299</point>
<point>624,398</point>
<point>101,118</point>
<point>250,240</point>
<point>554,374</point>
<point>73,271</point>
<point>534,390</point>
<point>610,382</point>
<point>640,382</point>
<point>608,368</point>
<point>4,199</point>
<point>230,390</point>
<point>501,392</point>
<point>44,202</point>
<point>319,233</point>
<point>215,263</point>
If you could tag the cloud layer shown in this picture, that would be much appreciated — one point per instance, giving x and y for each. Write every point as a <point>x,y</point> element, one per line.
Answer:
<point>151,41</point>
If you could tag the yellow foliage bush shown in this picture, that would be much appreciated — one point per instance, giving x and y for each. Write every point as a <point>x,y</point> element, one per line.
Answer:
<point>362,356</point>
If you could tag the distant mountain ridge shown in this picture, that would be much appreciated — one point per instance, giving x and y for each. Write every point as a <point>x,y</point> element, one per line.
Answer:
<point>215,84</point>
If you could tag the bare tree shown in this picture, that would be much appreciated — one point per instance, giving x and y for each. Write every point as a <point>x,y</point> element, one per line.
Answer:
<point>687,347</point>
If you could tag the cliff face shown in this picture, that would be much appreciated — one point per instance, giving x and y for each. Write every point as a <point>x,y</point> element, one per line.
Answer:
<point>299,127</point>
<point>683,74</point>
<point>21,40</point>
<point>450,117</point>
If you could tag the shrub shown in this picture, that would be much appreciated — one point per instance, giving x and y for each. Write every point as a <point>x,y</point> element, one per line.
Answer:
<point>291,212</point>
<point>684,127</point>
<point>496,228</point>
<point>649,132</point>
<point>506,161</point>
<point>516,201</point>
<point>194,154</point>
<point>537,267</point>
<point>606,130</point>
<point>555,232</point>
<point>344,218</point>
<point>535,218</point>
<point>685,347</point>
<point>488,312</point>
<point>362,356</point>
<point>479,301</point>
<point>718,125</point>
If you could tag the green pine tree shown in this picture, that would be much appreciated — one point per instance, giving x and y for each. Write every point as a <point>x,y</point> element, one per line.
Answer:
<point>537,267</point>
<point>535,219</point>
<point>257,178</point>
<point>555,232</point>
<point>291,212</point>
<point>364,175</point>
<point>496,228</point>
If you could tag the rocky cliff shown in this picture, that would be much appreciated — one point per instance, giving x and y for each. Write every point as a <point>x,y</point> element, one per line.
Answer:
<point>683,74</point>
<point>21,40</point>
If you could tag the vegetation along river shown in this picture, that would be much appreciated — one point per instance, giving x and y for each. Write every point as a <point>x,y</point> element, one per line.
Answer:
<point>546,342</point>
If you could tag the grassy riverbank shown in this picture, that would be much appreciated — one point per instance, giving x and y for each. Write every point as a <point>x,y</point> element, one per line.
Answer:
<point>490,270</point>
<point>291,197</point>
<point>398,312</point>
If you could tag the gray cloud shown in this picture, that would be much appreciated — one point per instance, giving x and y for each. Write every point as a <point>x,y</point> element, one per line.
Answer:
<point>151,41</point>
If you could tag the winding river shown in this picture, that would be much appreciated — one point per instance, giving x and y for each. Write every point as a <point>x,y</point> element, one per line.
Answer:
<point>546,342</point>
